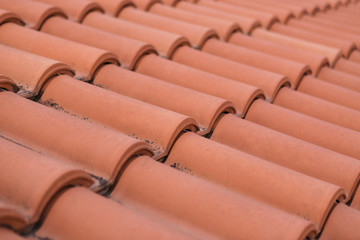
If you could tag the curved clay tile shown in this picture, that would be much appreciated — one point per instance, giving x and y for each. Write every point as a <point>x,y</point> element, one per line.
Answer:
<point>355,57</point>
<point>319,108</point>
<point>356,200</point>
<point>113,7</point>
<point>289,152</point>
<point>348,67</point>
<point>223,27</point>
<point>343,223</point>
<point>335,25</point>
<point>281,13</point>
<point>204,205</point>
<point>326,32</point>
<point>118,112</point>
<point>315,61</point>
<point>165,43</point>
<point>10,217</point>
<point>6,16</point>
<point>98,150</point>
<point>196,34</point>
<point>242,95</point>
<point>288,190</point>
<point>342,79</point>
<point>332,54</point>
<point>33,13</point>
<point>35,70</point>
<point>309,129</point>
<point>10,235</point>
<point>293,70</point>
<point>37,179</point>
<point>266,19</point>
<point>84,59</point>
<point>128,51</point>
<point>344,45</point>
<point>247,24</point>
<point>330,92</point>
<point>96,217</point>
<point>146,5</point>
<point>298,10</point>
<point>269,82</point>
<point>205,109</point>
<point>75,9</point>
<point>7,84</point>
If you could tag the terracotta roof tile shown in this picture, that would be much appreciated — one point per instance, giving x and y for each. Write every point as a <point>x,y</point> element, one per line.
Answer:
<point>330,92</point>
<point>76,10</point>
<point>84,59</point>
<point>37,179</point>
<point>203,204</point>
<point>201,81</point>
<point>84,208</point>
<point>6,16</point>
<point>10,217</point>
<point>247,24</point>
<point>7,84</point>
<point>99,105</point>
<point>283,14</point>
<point>165,43</point>
<point>309,129</point>
<point>223,27</point>
<point>205,109</point>
<point>98,150</point>
<point>35,70</point>
<point>196,34</point>
<point>8,234</point>
<point>128,51</point>
<point>266,19</point>
<point>35,18</point>
<point>342,223</point>
<point>290,152</point>
<point>235,170</point>
<point>331,53</point>
<point>240,153</point>
<point>346,47</point>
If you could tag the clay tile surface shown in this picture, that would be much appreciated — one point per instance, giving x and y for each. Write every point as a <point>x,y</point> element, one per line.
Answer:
<point>35,70</point>
<point>8,234</point>
<point>266,19</point>
<point>247,24</point>
<point>238,213</point>
<point>205,109</point>
<point>196,34</point>
<point>180,119</point>
<point>37,177</point>
<point>99,105</point>
<point>38,14</point>
<point>98,150</point>
<point>128,51</point>
<point>113,7</point>
<point>6,16</point>
<point>224,28</point>
<point>76,10</point>
<point>166,43</point>
<point>10,217</point>
<point>84,59</point>
<point>8,84</point>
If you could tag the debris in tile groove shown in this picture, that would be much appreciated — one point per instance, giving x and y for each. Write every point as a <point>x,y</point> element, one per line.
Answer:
<point>53,104</point>
<point>179,167</point>
<point>154,146</point>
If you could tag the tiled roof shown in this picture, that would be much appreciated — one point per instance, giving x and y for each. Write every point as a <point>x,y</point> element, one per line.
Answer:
<point>175,119</point>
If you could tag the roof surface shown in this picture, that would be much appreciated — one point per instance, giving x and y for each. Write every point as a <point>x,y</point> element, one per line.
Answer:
<point>173,119</point>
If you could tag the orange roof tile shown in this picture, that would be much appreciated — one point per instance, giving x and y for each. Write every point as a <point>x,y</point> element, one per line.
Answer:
<point>251,109</point>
